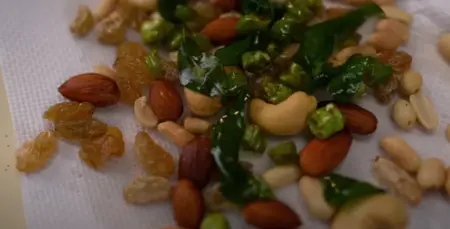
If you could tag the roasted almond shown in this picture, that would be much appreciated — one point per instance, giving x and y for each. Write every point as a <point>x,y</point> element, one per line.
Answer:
<point>196,162</point>
<point>165,101</point>
<point>187,204</point>
<point>93,88</point>
<point>271,215</point>
<point>321,156</point>
<point>357,119</point>
<point>222,30</point>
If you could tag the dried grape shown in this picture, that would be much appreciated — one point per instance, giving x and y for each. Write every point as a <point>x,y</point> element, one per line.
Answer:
<point>399,60</point>
<point>97,151</point>
<point>145,190</point>
<point>83,23</point>
<point>153,159</point>
<point>130,61</point>
<point>130,90</point>
<point>34,155</point>
<point>67,111</point>
<point>112,29</point>
<point>170,69</point>
<point>80,129</point>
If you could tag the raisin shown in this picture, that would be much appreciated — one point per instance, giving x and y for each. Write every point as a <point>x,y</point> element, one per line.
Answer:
<point>130,62</point>
<point>170,69</point>
<point>130,90</point>
<point>80,129</point>
<point>145,190</point>
<point>67,111</point>
<point>399,60</point>
<point>153,159</point>
<point>97,151</point>
<point>34,155</point>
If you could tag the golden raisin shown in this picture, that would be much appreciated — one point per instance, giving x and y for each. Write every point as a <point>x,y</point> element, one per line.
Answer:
<point>34,155</point>
<point>97,151</point>
<point>80,129</point>
<point>67,111</point>
<point>153,159</point>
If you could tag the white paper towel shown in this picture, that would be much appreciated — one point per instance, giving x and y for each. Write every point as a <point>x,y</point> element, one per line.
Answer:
<point>37,53</point>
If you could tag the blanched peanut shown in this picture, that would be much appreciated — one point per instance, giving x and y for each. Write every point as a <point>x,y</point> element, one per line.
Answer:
<point>398,14</point>
<point>311,190</point>
<point>425,110</point>
<point>397,179</point>
<point>342,56</point>
<point>282,175</point>
<point>196,125</point>
<point>411,82</point>
<point>384,40</point>
<point>431,174</point>
<point>401,153</point>
<point>404,114</point>
<point>444,46</point>
<point>394,28</point>
<point>176,133</point>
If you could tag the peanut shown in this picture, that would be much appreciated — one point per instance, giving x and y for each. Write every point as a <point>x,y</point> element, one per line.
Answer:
<point>342,56</point>
<point>384,40</point>
<point>394,27</point>
<point>144,113</point>
<point>426,113</point>
<point>444,46</point>
<point>106,71</point>
<point>410,83</point>
<point>282,175</point>
<point>196,125</point>
<point>175,132</point>
<point>401,153</point>
<point>431,174</point>
<point>312,192</point>
<point>403,114</point>
<point>397,13</point>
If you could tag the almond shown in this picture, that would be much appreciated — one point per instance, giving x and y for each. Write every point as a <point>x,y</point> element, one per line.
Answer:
<point>196,162</point>
<point>165,101</point>
<point>357,119</point>
<point>225,5</point>
<point>221,31</point>
<point>93,88</point>
<point>187,204</point>
<point>271,215</point>
<point>321,156</point>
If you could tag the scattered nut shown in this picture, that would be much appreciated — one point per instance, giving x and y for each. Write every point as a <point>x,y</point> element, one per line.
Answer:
<point>401,153</point>
<point>196,162</point>
<point>104,9</point>
<point>398,14</point>
<point>144,113</point>
<point>312,192</point>
<point>106,71</point>
<point>200,104</point>
<point>196,125</point>
<point>214,200</point>
<point>112,29</point>
<point>176,133</point>
<point>145,190</point>
<point>447,182</point>
<point>397,179</point>
<point>431,174</point>
<point>403,114</point>
<point>447,132</point>
<point>384,40</point>
<point>282,175</point>
<point>83,23</point>
<point>342,56</point>
<point>426,113</point>
<point>394,28</point>
<point>411,82</point>
<point>444,46</point>
<point>165,101</point>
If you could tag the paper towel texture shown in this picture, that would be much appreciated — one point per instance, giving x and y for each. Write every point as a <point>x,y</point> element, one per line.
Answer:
<point>37,53</point>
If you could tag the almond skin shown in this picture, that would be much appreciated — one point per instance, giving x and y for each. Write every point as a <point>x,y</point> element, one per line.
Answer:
<point>165,101</point>
<point>357,119</point>
<point>320,157</point>
<point>271,215</point>
<point>187,204</point>
<point>93,88</point>
<point>221,31</point>
<point>196,162</point>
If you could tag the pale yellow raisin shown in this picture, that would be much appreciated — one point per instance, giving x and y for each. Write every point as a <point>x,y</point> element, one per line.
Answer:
<point>67,111</point>
<point>153,159</point>
<point>34,155</point>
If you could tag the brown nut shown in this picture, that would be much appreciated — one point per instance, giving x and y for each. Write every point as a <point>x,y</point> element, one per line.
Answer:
<point>270,215</point>
<point>431,174</point>
<point>176,133</point>
<point>200,104</point>
<point>196,125</point>
<point>165,101</point>
<point>187,204</point>
<point>411,82</point>
<point>93,88</point>
<point>196,162</point>
<point>144,114</point>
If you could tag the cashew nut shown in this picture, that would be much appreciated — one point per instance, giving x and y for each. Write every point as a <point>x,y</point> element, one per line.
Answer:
<point>294,112</point>
<point>200,104</point>
<point>104,9</point>
<point>397,179</point>
<point>398,14</point>
<point>403,114</point>
<point>401,153</point>
<point>175,132</point>
<point>394,28</point>
<point>384,40</point>
<point>144,113</point>
<point>342,56</point>
<point>411,82</point>
<point>282,175</point>
<point>311,190</point>
<point>431,174</point>
<point>196,125</point>
<point>372,212</point>
<point>106,71</point>
<point>444,46</point>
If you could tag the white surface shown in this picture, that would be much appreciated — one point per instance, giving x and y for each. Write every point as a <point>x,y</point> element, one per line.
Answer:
<point>37,53</point>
